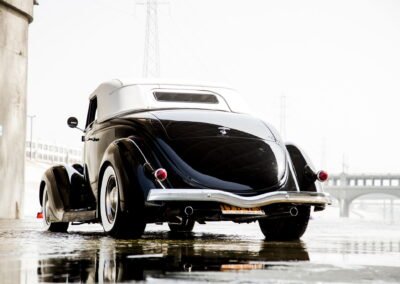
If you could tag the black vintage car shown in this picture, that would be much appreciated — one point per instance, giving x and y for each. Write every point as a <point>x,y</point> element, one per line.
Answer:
<point>180,154</point>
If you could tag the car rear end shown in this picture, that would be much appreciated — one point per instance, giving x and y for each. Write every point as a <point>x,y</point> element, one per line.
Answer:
<point>225,166</point>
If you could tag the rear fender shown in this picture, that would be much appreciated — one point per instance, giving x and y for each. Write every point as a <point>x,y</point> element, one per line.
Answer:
<point>66,191</point>
<point>300,160</point>
<point>133,172</point>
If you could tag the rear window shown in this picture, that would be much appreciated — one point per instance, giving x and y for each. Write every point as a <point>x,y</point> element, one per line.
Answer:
<point>186,97</point>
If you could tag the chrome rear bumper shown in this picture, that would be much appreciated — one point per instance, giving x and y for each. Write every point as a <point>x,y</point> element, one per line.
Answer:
<point>213,195</point>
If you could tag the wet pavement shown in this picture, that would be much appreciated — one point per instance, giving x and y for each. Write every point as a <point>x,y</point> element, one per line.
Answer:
<point>332,251</point>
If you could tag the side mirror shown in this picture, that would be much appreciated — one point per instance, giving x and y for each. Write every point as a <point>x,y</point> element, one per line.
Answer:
<point>72,122</point>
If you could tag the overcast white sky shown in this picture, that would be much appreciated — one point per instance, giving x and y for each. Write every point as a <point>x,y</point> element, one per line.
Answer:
<point>337,63</point>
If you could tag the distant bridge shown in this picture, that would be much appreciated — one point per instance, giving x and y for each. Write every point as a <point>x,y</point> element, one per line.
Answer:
<point>346,188</point>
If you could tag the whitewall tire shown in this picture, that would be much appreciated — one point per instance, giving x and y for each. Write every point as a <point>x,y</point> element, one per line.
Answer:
<point>47,224</point>
<point>109,200</point>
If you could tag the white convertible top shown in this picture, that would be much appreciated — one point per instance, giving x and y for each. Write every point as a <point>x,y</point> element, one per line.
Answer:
<point>116,97</point>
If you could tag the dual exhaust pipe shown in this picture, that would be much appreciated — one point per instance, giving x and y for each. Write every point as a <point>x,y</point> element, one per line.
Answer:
<point>179,217</point>
<point>293,211</point>
<point>188,211</point>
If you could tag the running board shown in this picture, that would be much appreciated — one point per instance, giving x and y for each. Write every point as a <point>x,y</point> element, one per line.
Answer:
<point>79,216</point>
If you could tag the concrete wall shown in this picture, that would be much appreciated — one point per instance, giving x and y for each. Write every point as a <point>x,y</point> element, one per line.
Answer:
<point>15,16</point>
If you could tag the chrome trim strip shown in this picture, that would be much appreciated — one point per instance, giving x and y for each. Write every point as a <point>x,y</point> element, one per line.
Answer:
<point>214,195</point>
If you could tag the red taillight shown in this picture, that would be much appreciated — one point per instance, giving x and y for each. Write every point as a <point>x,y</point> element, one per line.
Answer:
<point>39,215</point>
<point>322,176</point>
<point>160,174</point>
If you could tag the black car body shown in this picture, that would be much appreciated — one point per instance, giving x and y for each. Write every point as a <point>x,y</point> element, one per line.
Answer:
<point>157,153</point>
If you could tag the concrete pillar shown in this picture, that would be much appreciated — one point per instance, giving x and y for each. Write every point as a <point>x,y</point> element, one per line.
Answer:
<point>384,209</point>
<point>391,211</point>
<point>343,179</point>
<point>344,208</point>
<point>15,16</point>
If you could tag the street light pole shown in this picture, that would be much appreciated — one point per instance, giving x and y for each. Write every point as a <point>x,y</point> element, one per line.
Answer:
<point>31,117</point>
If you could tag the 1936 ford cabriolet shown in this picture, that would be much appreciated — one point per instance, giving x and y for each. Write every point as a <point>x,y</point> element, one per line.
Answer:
<point>180,154</point>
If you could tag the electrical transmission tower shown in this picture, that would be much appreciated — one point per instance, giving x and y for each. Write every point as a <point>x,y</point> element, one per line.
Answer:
<point>151,60</point>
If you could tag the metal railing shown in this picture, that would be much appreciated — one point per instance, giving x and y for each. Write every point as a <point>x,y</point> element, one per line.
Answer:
<point>372,180</point>
<point>50,153</point>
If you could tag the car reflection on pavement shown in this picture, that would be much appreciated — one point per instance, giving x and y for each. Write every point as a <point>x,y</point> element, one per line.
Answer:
<point>118,261</point>
<point>334,250</point>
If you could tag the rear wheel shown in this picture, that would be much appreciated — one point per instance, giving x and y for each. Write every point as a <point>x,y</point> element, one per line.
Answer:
<point>47,224</point>
<point>183,228</point>
<point>116,222</point>
<point>286,229</point>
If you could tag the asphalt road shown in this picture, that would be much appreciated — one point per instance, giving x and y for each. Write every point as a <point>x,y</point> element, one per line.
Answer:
<point>333,250</point>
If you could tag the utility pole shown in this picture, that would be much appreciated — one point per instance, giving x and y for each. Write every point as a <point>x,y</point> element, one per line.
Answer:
<point>283,117</point>
<point>323,153</point>
<point>31,117</point>
<point>344,163</point>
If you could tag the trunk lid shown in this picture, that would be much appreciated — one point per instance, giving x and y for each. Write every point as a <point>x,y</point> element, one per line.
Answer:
<point>220,150</point>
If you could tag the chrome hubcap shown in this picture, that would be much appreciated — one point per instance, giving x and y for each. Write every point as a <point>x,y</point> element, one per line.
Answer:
<point>111,199</point>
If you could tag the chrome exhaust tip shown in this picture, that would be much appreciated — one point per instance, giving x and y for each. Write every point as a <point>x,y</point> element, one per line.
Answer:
<point>188,211</point>
<point>294,211</point>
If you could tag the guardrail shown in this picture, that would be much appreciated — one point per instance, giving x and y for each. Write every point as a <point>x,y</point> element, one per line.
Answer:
<point>50,153</point>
